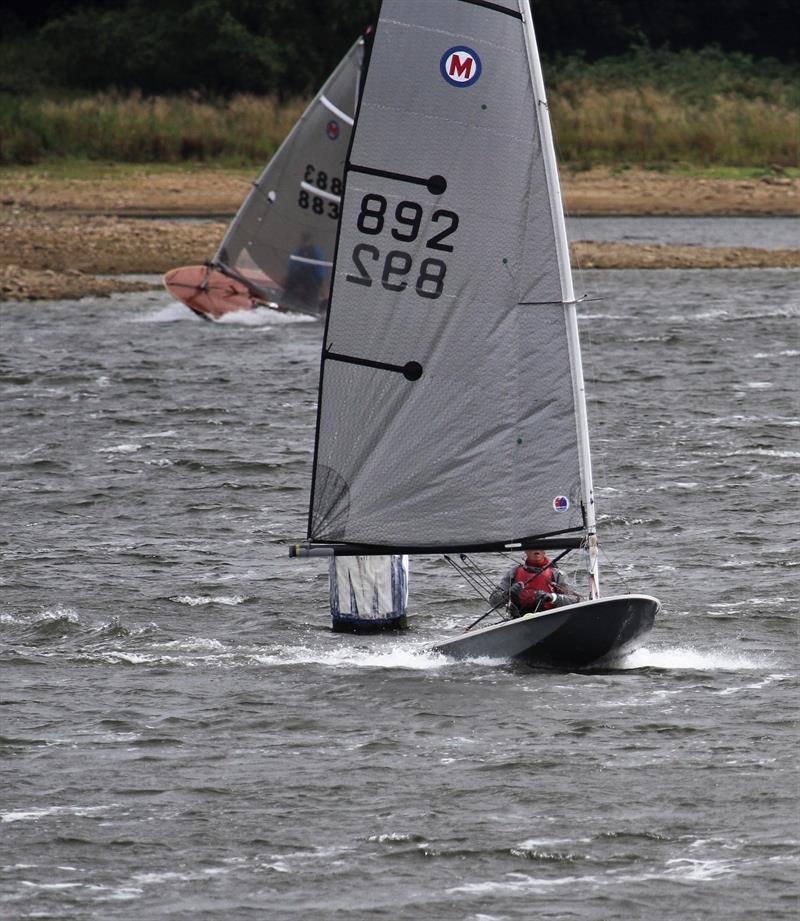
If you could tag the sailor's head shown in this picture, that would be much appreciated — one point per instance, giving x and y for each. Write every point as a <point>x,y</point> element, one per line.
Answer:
<point>535,557</point>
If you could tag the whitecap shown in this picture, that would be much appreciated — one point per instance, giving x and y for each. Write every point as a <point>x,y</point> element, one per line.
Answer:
<point>689,659</point>
<point>199,600</point>
<point>165,876</point>
<point>763,452</point>
<point>121,449</point>
<point>699,870</point>
<point>33,815</point>
<point>520,882</point>
<point>193,644</point>
<point>47,616</point>
<point>286,863</point>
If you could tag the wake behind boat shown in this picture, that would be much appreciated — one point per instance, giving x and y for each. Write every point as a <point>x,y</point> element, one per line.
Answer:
<point>452,411</point>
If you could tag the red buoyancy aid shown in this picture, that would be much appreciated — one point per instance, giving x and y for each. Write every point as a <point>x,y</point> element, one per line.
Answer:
<point>532,585</point>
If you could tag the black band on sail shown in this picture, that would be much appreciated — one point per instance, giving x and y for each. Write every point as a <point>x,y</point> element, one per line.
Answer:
<point>572,538</point>
<point>494,6</point>
<point>411,370</point>
<point>436,185</point>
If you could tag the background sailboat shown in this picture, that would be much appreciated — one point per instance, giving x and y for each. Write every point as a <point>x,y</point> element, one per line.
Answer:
<point>451,409</point>
<point>279,248</point>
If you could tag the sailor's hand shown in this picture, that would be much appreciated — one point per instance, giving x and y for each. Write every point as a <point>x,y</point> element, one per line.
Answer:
<point>516,588</point>
<point>547,596</point>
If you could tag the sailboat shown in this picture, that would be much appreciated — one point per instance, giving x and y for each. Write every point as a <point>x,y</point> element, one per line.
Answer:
<point>278,250</point>
<point>452,411</point>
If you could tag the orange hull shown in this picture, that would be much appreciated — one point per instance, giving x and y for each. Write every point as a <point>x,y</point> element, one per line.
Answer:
<point>210,293</point>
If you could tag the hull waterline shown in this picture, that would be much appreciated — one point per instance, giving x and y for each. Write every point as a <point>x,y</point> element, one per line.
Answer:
<point>574,636</point>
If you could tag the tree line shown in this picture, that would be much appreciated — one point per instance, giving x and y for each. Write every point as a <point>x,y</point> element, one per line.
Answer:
<point>287,47</point>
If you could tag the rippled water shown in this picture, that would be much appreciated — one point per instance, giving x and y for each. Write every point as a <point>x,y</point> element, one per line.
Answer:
<point>183,737</point>
<point>759,232</point>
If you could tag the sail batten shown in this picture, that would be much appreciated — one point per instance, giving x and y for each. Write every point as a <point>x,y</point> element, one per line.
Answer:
<point>335,110</point>
<point>449,265</point>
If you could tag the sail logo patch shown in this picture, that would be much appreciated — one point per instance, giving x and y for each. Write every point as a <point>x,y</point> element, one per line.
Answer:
<point>333,129</point>
<point>561,503</point>
<point>460,66</point>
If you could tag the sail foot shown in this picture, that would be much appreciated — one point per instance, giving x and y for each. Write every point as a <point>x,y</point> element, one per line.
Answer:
<point>565,541</point>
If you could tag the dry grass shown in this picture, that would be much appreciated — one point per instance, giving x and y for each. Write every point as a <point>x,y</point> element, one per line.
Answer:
<point>648,126</point>
<point>643,125</point>
<point>134,129</point>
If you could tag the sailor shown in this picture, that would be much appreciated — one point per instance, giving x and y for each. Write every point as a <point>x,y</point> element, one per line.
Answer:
<point>534,585</point>
<point>306,274</point>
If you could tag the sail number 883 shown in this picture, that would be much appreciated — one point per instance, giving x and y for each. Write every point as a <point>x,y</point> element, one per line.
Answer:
<point>396,266</point>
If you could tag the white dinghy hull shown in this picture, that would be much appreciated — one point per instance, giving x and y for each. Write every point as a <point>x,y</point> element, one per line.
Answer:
<point>574,636</point>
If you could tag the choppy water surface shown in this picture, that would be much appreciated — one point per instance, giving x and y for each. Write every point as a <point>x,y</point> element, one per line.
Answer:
<point>183,737</point>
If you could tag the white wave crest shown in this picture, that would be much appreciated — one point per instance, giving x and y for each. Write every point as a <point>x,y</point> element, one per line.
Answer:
<point>193,644</point>
<point>172,313</point>
<point>121,449</point>
<point>198,600</point>
<point>33,815</point>
<point>690,659</point>
<point>48,615</point>
<point>265,316</point>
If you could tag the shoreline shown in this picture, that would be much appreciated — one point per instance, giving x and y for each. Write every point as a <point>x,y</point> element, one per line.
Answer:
<point>58,235</point>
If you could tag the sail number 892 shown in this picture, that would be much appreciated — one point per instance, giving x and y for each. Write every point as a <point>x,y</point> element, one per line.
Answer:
<point>396,266</point>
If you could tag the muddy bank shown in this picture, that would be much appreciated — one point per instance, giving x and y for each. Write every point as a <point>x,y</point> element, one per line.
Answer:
<point>58,236</point>
<point>205,191</point>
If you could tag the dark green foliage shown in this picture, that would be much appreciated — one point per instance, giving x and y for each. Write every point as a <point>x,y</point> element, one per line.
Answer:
<point>288,46</point>
<point>691,77</point>
<point>181,46</point>
<point>602,28</point>
<point>214,46</point>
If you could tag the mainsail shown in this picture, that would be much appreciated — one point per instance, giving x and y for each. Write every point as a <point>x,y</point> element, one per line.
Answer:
<point>451,405</point>
<point>283,235</point>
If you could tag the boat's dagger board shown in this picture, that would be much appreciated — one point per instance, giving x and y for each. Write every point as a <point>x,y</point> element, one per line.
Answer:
<point>577,635</point>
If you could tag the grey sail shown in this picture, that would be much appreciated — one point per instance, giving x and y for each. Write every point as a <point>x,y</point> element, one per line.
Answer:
<point>281,241</point>
<point>451,406</point>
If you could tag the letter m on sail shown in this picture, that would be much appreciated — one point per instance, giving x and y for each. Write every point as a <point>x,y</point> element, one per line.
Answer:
<point>460,68</point>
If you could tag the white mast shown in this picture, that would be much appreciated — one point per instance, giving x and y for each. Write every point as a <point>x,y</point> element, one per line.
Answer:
<point>571,314</point>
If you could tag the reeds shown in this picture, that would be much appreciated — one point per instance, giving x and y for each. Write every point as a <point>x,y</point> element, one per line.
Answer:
<point>134,129</point>
<point>651,127</point>
<point>596,121</point>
